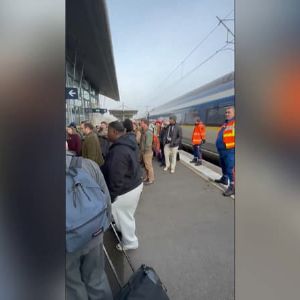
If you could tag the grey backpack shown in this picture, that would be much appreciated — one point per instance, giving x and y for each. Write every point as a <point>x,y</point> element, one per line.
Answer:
<point>86,207</point>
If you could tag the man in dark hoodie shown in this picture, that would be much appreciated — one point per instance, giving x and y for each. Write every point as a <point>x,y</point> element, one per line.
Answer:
<point>122,173</point>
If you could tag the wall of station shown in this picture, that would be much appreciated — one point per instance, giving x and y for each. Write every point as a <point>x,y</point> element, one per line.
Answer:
<point>81,109</point>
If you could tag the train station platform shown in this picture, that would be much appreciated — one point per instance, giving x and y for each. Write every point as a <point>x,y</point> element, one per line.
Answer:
<point>186,233</point>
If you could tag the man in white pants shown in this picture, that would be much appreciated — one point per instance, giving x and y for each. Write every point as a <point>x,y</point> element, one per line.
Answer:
<point>123,175</point>
<point>172,141</point>
<point>123,209</point>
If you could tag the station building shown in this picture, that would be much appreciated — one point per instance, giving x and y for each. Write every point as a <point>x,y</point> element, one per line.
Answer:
<point>90,69</point>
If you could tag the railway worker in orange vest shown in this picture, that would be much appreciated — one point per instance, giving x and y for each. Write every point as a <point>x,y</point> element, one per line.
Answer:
<point>198,138</point>
<point>225,144</point>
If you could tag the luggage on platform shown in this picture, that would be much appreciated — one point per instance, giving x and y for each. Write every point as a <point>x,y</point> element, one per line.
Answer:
<point>144,283</point>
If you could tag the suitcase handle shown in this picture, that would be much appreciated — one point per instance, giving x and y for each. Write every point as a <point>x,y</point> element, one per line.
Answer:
<point>112,267</point>
<point>127,258</point>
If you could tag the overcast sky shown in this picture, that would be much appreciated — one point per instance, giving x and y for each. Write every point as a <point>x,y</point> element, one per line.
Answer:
<point>151,37</point>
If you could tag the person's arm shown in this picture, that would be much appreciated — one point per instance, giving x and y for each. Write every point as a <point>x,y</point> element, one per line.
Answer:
<point>179,136</point>
<point>203,132</point>
<point>138,137</point>
<point>77,144</point>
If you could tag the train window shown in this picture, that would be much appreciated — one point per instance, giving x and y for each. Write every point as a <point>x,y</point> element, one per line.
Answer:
<point>191,116</point>
<point>216,116</point>
<point>179,118</point>
<point>212,116</point>
<point>221,115</point>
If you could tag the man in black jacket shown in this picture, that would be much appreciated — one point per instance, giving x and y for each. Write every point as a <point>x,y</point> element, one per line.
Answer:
<point>123,173</point>
<point>162,140</point>
<point>172,140</point>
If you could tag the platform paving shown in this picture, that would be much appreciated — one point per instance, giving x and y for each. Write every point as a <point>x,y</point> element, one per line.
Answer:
<point>186,232</point>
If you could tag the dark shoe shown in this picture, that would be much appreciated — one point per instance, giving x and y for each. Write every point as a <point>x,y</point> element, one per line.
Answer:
<point>222,180</point>
<point>198,163</point>
<point>193,161</point>
<point>162,165</point>
<point>230,191</point>
<point>148,182</point>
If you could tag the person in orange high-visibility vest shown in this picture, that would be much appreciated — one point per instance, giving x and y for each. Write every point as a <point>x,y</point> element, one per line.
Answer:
<point>225,144</point>
<point>198,138</point>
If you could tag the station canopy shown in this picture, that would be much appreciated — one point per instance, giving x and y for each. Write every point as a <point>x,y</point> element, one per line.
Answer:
<point>123,114</point>
<point>88,39</point>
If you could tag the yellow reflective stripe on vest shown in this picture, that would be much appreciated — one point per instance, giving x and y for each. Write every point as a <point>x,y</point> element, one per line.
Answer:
<point>228,135</point>
<point>230,145</point>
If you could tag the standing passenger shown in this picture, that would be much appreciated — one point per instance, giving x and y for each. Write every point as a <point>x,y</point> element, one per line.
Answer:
<point>103,129</point>
<point>85,273</point>
<point>122,172</point>
<point>162,140</point>
<point>147,151</point>
<point>73,125</point>
<point>129,130</point>
<point>173,139</point>
<point>102,136</point>
<point>137,131</point>
<point>226,147</point>
<point>91,146</point>
<point>198,138</point>
<point>73,140</point>
<point>82,129</point>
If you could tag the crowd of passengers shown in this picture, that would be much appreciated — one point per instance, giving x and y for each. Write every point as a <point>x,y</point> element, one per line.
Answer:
<point>115,155</point>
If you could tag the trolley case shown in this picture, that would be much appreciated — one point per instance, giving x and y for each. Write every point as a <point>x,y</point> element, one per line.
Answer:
<point>144,283</point>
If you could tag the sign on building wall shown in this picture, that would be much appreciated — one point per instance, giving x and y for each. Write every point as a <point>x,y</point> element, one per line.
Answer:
<point>99,110</point>
<point>71,93</point>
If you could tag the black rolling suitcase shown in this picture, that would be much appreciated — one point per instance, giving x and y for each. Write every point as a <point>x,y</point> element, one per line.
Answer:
<point>144,283</point>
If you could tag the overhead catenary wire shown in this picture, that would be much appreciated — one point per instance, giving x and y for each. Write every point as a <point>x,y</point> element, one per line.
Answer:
<point>190,53</point>
<point>223,48</point>
<point>193,50</point>
<point>202,63</point>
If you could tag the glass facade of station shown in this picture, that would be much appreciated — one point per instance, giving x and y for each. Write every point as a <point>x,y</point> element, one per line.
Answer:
<point>81,109</point>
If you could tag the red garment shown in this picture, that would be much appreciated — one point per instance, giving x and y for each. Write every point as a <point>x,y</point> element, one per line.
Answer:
<point>155,143</point>
<point>74,143</point>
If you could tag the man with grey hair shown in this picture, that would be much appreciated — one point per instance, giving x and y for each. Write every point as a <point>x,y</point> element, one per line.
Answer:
<point>162,135</point>
<point>172,140</point>
<point>225,144</point>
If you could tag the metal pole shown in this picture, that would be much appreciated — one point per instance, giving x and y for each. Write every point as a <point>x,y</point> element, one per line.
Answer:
<point>221,21</point>
<point>81,94</point>
<point>67,101</point>
<point>74,75</point>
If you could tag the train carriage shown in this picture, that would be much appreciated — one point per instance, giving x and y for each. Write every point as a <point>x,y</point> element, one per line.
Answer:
<point>207,102</point>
